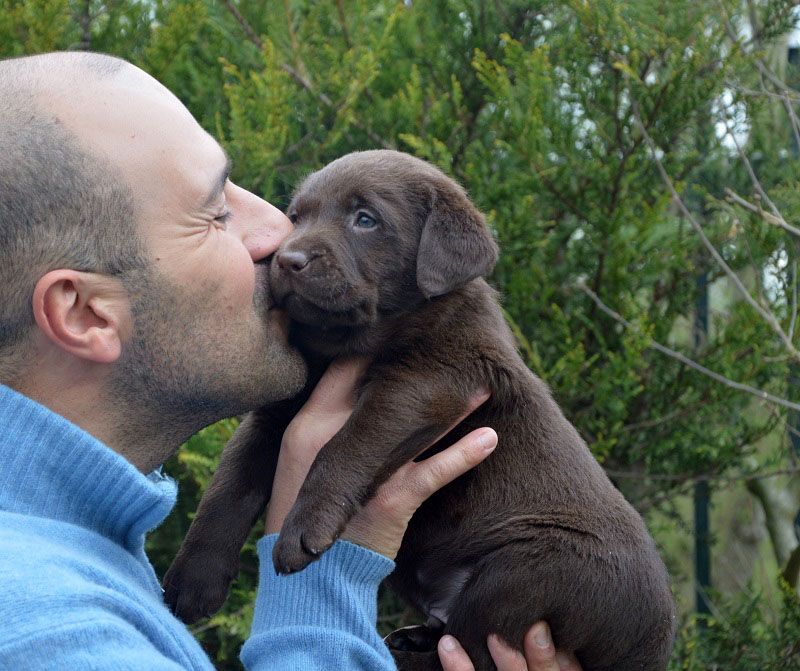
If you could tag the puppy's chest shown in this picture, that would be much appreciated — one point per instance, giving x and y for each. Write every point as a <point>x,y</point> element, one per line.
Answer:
<point>432,371</point>
<point>436,342</point>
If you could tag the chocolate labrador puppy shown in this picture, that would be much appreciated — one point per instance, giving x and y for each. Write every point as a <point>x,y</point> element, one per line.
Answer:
<point>386,261</point>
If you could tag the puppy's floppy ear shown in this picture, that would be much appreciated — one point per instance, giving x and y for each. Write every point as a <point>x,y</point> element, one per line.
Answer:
<point>455,246</point>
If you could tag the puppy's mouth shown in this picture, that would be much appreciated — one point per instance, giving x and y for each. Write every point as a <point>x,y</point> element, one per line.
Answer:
<point>306,311</point>
<point>321,296</point>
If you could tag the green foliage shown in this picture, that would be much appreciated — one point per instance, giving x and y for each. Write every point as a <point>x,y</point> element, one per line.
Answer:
<point>742,637</point>
<point>32,27</point>
<point>533,108</point>
<point>259,104</point>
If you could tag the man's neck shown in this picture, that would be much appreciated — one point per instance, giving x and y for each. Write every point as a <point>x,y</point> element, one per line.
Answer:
<point>121,425</point>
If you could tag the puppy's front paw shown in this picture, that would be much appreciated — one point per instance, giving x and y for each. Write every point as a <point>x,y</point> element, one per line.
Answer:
<point>299,545</point>
<point>196,585</point>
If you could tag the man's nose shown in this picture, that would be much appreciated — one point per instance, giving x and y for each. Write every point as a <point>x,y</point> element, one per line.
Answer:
<point>264,226</point>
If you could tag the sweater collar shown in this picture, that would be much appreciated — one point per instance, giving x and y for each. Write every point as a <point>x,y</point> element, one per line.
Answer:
<point>51,468</point>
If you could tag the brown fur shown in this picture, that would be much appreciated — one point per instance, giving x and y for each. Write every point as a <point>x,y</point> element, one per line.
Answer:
<point>535,532</point>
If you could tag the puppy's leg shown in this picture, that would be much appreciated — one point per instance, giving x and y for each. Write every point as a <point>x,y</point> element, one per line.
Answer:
<point>417,661</point>
<point>395,419</point>
<point>593,597</point>
<point>196,583</point>
<point>414,648</point>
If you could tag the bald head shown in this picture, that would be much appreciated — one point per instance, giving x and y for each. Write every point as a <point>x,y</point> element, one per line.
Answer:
<point>33,70</point>
<point>63,203</point>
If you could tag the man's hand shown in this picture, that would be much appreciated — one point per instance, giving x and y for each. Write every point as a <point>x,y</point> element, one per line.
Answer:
<point>381,523</point>
<point>325,412</point>
<point>540,654</point>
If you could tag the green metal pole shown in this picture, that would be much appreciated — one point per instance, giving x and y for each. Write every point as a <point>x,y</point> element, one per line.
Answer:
<point>792,62</point>
<point>702,546</point>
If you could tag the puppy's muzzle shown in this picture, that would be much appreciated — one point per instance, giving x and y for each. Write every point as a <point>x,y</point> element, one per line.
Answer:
<point>315,288</point>
<point>294,261</point>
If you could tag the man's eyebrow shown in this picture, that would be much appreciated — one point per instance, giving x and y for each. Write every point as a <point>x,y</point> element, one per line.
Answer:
<point>219,184</point>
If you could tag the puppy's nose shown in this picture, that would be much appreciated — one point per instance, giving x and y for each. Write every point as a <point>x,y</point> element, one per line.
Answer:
<point>292,260</point>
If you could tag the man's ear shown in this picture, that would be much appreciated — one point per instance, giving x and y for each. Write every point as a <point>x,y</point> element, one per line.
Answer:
<point>85,314</point>
<point>455,246</point>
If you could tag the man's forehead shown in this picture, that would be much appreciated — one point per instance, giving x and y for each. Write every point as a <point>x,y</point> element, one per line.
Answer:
<point>129,115</point>
<point>138,126</point>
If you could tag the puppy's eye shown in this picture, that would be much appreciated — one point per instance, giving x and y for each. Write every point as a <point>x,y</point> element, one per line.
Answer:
<point>363,220</point>
<point>293,217</point>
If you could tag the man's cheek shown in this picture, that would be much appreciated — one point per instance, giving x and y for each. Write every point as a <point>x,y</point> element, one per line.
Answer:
<point>237,280</point>
<point>243,294</point>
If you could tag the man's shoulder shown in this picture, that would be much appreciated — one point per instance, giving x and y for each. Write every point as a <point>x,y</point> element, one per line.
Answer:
<point>42,558</point>
<point>45,581</point>
<point>18,530</point>
<point>30,544</point>
<point>75,594</point>
<point>57,573</point>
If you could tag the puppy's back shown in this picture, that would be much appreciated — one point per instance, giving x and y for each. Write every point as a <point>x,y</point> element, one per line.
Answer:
<point>537,531</point>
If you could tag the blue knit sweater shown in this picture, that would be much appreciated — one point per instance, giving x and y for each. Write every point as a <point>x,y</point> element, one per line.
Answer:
<point>78,592</point>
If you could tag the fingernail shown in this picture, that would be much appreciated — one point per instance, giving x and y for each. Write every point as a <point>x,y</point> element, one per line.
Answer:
<point>448,643</point>
<point>542,636</point>
<point>487,440</point>
<point>562,660</point>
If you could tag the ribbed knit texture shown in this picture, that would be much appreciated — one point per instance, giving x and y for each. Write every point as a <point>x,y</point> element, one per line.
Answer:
<point>77,591</point>
<point>333,602</point>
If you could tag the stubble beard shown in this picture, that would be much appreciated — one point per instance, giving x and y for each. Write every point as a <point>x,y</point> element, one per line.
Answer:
<point>183,369</point>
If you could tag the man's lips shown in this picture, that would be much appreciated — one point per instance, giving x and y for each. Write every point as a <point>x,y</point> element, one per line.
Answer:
<point>263,289</point>
<point>280,317</point>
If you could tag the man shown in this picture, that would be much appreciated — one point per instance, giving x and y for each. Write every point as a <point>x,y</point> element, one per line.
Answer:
<point>135,312</point>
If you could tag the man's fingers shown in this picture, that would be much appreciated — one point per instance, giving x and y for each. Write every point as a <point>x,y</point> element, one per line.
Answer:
<point>541,653</point>
<point>452,656</point>
<point>480,397</point>
<point>567,662</point>
<point>504,656</point>
<point>334,391</point>
<point>431,475</point>
<point>474,402</point>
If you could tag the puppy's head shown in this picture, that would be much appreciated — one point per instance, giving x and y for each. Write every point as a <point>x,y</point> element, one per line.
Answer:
<point>376,234</point>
